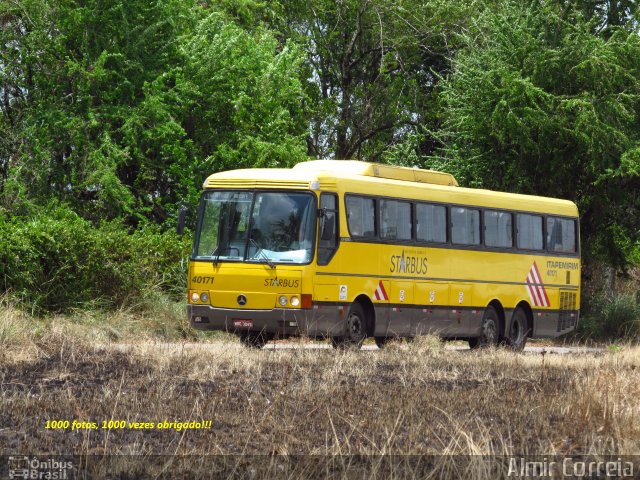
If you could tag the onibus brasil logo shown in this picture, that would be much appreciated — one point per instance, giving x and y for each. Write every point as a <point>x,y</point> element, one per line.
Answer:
<point>36,468</point>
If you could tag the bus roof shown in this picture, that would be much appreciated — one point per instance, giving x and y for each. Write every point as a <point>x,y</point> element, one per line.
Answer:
<point>365,178</point>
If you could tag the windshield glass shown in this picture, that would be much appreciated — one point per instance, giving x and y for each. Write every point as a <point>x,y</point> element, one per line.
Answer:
<point>262,227</point>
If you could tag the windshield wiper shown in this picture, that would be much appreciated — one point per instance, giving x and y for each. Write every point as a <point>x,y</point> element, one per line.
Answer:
<point>217,254</point>
<point>264,255</point>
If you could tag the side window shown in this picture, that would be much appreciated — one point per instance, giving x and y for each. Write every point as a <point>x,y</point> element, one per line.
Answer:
<point>465,226</point>
<point>431,223</point>
<point>328,228</point>
<point>498,229</point>
<point>361,216</point>
<point>395,220</point>
<point>561,235</point>
<point>530,232</point>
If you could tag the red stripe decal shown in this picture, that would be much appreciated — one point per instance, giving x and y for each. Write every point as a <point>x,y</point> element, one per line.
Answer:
<point>544,297</point>
<point>384,292</point>
<point>535,288</point>
<point>537,301</point>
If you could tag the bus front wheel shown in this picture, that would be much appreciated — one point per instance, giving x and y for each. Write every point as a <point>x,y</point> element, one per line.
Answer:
<point>489,333</point>
<point>519,330</point>
<point>355,329</point>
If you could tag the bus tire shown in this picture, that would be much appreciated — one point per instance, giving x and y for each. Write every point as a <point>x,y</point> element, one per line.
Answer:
<point>490,330</point>
<point>355,329</point>
<point>518,331</point>
<point>255,340</point>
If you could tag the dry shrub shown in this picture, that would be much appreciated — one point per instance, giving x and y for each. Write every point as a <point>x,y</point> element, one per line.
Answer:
<point>17,332</point>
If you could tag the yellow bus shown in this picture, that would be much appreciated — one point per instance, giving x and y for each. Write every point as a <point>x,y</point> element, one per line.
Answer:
<point>348,250</point>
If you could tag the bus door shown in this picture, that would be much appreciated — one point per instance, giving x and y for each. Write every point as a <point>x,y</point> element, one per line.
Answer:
<point>431,314</point>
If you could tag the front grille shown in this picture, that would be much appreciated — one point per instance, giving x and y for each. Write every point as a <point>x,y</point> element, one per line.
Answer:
<point>568,316</point>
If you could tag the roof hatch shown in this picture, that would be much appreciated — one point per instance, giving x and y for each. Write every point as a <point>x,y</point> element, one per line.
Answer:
<point>356,167</point>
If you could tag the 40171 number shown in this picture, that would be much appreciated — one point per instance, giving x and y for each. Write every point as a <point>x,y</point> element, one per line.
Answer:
<point>204,279</point>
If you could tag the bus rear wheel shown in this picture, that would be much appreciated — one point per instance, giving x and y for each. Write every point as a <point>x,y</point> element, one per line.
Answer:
<point>255,340</point>
<point>355,329</point>
<point>518,331</point>
<point>489,333</point>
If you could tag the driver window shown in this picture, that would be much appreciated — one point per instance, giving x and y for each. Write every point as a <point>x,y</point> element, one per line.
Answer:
<point>328,228</point>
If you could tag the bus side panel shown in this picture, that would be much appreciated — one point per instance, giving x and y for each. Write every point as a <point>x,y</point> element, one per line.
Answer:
<point>545,320</point>
<point>432,313</point>
<point>461,316</point>
<point>383,326</point>
<point>326,320</point>
<point>401,307</point>
<point>561,318</point>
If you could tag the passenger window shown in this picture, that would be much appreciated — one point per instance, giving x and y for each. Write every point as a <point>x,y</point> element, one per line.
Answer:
<point>465,226</point>
<point>395,220</point>
<point>529,232</point>
<point>561,235</point>
<point>498,229</point>
<point>431,223</point>
<point>361,216</point>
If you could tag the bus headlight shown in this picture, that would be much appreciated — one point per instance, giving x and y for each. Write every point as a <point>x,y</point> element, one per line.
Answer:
<point>295,301</point>
<point>282,300</point>
<point>204,297</point>
<point>195,297</point>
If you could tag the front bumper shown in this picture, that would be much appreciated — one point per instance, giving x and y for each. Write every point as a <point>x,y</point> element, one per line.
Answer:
<point>279,321</point>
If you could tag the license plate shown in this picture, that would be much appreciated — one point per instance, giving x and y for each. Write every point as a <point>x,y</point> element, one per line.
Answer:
<point>243,323</point>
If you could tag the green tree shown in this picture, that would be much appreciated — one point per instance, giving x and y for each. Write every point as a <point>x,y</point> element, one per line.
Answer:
<point>120,109</point>
<point>247,95</point>
<point>541,103</point>
<point>235,101</point>
<point>72,73</point>
<point>372,67</point>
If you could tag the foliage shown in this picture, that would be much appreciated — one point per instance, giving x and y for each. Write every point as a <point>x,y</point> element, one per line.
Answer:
<point>56,261</point>
<point>73,73</point>
<point>372,68</point>
<point>247,99</point>
<point>614,317</point>
<point>121,110</point>
<point>235,101</point>
<point>538,103</point>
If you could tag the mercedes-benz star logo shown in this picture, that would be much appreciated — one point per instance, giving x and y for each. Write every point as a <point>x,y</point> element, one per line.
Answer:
<point>242,300</point>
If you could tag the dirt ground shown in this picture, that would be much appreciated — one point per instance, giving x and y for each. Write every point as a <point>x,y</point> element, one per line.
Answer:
<point>409,411</point>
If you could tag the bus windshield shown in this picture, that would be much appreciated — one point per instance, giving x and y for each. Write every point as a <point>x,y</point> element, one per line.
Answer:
<point>271,227</point>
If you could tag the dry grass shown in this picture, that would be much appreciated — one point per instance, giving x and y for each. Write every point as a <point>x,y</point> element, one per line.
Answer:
<point>154,318</point>
<point>315,405</point>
